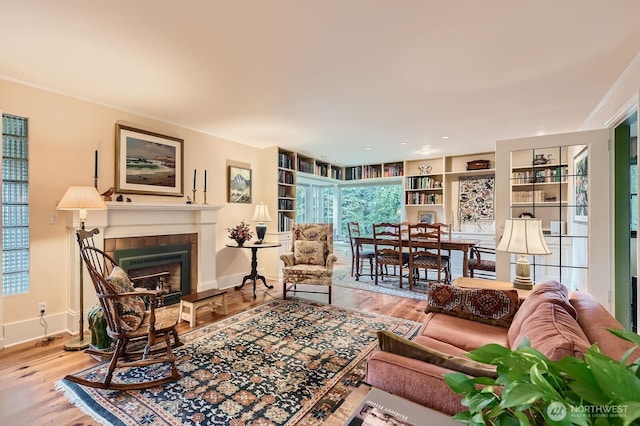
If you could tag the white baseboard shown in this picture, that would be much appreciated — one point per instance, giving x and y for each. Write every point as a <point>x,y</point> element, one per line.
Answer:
<point>30,330</point>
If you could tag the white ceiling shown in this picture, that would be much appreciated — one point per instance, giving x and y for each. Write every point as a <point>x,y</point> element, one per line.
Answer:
<point>332,77</point>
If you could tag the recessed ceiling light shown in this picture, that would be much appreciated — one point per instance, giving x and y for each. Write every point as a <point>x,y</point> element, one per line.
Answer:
<point>323,156</point>
<point>404,143</point>
<point>367,148</point>
<point>446,137</point>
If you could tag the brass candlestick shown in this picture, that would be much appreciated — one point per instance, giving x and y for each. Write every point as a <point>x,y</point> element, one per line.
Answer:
<point>194,196</point>
<point>205,197</point>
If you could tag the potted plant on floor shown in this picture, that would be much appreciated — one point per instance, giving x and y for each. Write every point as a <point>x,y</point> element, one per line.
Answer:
<point>531,389</point>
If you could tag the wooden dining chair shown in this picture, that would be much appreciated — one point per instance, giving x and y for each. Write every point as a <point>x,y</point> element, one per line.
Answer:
<point>387,243</point>
<point>425,252</point>
<point>358,251</point>
<point>482,262</point>
<point>142,333</point>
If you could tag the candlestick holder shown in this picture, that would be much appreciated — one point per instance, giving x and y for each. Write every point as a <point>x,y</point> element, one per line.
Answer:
<point>205,197</point>
<point>194,196</point>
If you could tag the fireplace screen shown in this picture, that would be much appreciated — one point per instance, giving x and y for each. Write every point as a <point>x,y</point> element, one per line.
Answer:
<point>165,268</point>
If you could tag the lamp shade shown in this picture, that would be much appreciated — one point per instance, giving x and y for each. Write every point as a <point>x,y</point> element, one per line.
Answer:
<point>81,198</point>
<point>523,236</point>
<point>261,213</point>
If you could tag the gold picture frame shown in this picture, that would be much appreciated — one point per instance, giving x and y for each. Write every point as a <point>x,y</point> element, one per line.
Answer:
<point>148,162</point>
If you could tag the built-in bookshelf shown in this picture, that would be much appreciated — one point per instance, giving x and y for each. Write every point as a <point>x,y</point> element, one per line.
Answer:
<point>429,184</point>
<point>287,163</point>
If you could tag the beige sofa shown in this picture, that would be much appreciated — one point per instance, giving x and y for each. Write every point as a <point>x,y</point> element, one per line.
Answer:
<point>557,322</point>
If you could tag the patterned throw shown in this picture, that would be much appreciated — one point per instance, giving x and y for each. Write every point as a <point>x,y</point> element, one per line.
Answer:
<point>282,363</point>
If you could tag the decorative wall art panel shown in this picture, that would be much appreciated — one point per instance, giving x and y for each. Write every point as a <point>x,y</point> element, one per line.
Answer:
<point>476,198</point>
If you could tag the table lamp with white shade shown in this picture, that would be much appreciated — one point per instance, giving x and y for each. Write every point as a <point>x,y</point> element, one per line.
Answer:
<point>80,199</point>
<point>261,215</point>
<point>523,237</point>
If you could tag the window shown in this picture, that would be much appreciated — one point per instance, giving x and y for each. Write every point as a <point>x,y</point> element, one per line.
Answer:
<point>370,204</point>
<point>15,205</point>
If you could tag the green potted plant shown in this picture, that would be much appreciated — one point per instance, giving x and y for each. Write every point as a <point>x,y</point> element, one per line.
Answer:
<point>530,389</point>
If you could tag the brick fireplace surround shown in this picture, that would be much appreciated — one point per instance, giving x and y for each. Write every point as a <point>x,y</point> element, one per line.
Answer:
<point>133,225</point>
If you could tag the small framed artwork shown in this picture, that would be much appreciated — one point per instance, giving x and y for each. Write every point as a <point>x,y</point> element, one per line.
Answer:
<point>239,185</point>
<point>581,187</point>
<point>427,217</point>
<point>148,162</point>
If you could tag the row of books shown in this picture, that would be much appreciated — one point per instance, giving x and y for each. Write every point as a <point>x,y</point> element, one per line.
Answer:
<point>285,177</point>
<point>423,198</point>
<point>283,192</point>
<point>305,165</point>
<point>423,182</point>
<point>285,161</point>
<point>548,175</point>
<point>284,222</point>
<point>285,204</point>
<point>528,196</point>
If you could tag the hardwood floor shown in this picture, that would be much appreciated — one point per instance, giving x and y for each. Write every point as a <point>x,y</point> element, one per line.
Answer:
<point>29,372</point>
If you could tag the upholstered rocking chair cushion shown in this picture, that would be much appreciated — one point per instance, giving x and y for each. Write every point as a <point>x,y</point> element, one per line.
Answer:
<point>309,252</point>
<point>131,310</point>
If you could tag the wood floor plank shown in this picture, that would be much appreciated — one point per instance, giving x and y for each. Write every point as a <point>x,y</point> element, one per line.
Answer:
<point>29,372</point>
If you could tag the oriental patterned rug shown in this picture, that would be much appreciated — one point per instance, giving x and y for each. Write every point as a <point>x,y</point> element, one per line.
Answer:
<point>387,285</point>
<point>282,363</point>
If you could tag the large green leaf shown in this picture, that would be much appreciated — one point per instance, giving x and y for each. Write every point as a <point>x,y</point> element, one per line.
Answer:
<point>632,412</point>
<point>459,383</point>
<point>480,401</point>
<point>538,379</point>
<point>520,393</point>
<point>488,353</point>
<point>616,381</point>
<point>626,335</point>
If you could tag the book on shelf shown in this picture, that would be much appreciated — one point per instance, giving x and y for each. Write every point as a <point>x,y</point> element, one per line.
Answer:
<point>285,161</point>
<point>382,408</point>
<point>417,197</point>
<point>284,222</point>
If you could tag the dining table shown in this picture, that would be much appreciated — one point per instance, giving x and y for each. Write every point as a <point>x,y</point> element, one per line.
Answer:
<point>446,243</point>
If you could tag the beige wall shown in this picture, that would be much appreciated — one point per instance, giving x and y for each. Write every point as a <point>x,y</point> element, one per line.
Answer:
<point>63,135</point>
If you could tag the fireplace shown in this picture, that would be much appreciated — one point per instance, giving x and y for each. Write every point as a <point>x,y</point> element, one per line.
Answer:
<point>135,225</point>
<point>165,268</point>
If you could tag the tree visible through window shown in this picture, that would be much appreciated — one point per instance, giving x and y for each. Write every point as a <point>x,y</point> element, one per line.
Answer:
<point>15,205</point>
<point>370,204</point>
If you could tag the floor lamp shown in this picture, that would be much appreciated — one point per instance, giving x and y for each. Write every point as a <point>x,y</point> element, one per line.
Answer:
<point>80,199</point>
<point>523,237</point>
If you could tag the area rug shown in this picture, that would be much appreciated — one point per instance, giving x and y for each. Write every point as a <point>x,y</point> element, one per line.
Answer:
<point>282,363</point>
<point>387,285</point>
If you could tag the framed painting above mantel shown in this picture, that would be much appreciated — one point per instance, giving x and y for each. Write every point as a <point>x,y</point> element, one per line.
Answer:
<point>148,163</point>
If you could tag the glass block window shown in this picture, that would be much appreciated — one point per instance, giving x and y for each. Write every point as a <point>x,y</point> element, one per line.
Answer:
<point>15,205</point>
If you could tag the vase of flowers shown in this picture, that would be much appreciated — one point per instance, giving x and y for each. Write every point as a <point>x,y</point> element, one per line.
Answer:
<point>240,233</point>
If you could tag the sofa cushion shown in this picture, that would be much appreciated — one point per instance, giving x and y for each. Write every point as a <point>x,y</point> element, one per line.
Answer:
<point>458,334</point>
<point>549,292</point>
<point>309,252</point>
<point>130,309</point>
<point>496,307</point>
<point>552,331</point>
<point>392,343</point>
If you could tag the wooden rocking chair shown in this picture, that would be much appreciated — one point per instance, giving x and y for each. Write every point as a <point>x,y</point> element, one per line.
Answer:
<point>143,337</point>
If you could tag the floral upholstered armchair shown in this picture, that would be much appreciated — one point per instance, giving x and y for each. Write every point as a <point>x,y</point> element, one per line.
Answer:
<point>311,260</point>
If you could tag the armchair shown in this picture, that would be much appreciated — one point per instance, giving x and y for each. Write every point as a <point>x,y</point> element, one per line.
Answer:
<point>311,261</point>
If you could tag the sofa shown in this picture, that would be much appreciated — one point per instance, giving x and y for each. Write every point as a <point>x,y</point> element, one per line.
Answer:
<point>557,322</point>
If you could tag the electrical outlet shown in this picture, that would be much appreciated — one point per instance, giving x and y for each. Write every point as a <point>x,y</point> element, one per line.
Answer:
<point>42,308</point>
<point>53,218</point>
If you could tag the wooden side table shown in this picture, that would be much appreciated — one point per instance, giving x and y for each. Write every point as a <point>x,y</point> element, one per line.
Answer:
<point>490,284</point>
<point>253,275</point>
